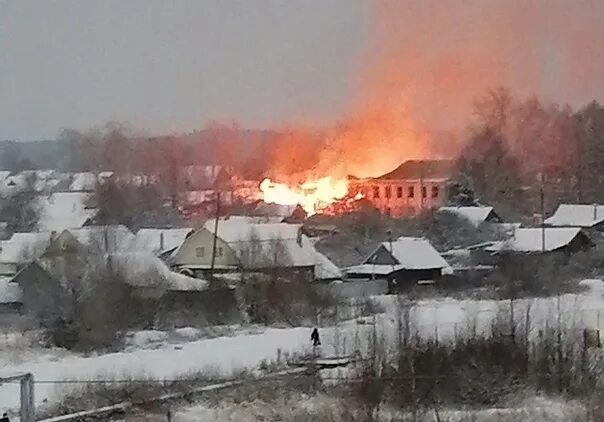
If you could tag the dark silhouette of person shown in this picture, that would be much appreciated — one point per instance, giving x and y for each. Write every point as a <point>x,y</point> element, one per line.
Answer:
<point>314,337</point>
<point>5,418</point>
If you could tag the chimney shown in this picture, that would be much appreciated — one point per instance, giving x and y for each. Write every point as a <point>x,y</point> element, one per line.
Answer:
<point>161,241</point>
<point>299,236</point>
<point>595,212</point>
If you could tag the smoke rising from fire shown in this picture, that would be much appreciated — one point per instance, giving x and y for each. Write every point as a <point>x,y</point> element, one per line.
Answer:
<point>425,62</point>
<point>443,54</point>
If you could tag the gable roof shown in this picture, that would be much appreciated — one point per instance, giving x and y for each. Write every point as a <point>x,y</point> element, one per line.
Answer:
<point>475,215</point>
<point>411,253</point>
<point>241,235</point>
<point>24,247</point>
<point>160,240</point>
<point>421,169</point>
<point>530,240</point>
<point>63,210</point>
<point>325,269</point>
<point>137,265</point>
<point>577,215</point>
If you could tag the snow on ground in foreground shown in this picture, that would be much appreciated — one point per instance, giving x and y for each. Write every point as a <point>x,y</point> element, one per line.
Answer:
<point>300,407</point>
<point>225,354</point>
<point>443,317</point>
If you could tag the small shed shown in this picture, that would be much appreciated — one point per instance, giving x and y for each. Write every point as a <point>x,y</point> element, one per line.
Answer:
<point>404,262</point>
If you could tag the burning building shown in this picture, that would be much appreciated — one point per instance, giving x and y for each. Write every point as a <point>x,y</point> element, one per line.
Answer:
<point>413,186</point>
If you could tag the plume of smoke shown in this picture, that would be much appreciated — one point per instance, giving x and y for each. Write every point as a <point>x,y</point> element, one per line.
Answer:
<point>426,61</point>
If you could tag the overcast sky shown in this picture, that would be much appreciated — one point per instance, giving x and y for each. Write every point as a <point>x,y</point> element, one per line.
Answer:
<point>173,65</point>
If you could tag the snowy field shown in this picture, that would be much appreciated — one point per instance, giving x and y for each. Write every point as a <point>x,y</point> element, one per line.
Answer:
<point>151,355</point>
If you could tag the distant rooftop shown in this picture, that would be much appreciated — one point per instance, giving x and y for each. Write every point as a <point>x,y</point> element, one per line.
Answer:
<point>421,169</point>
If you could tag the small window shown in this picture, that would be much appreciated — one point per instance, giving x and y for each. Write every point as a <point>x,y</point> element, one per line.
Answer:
<point>424,192</point>
<point>434,191</point>
<point>219,251</point>
<point>387,192</point>
<point>376,191</point>
<point>200,251</point>
<point>399,192</point>
<point>410,192</point>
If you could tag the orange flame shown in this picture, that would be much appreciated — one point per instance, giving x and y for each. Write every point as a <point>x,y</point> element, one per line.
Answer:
<point>313,195</point>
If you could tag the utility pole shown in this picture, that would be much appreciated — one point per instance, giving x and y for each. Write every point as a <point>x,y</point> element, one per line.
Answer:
<point>215,233</point>
<point>421,185</point>
<point>542,203</point>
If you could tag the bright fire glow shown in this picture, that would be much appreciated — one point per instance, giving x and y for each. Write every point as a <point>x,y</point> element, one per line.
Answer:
<point>312,195</point>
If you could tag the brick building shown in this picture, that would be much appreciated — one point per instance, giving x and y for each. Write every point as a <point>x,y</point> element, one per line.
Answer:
<point>411,187</point>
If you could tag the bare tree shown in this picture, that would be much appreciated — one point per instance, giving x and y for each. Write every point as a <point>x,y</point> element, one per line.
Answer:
<point>21,208</point>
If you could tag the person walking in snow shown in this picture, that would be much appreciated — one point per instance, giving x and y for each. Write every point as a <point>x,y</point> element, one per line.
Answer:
<point>314,337</point>
<point>5,418</point>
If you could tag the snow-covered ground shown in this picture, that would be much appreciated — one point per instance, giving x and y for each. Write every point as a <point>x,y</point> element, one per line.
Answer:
<point>152,355</point>
<point>301,407</point>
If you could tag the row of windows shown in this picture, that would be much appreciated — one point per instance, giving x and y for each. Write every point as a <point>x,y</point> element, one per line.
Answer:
<point>410,192</point>
<point>200,251</point>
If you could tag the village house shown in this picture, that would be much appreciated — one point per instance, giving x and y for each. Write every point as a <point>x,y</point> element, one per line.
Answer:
<point>558,242</point>
<point>64,210</point>
<point>404,262</point>
<point>414,186</point>
<point>20,250</point>
<point>243,246</point>
<point>74,256</point>
<point>588,217</point>
<point>476,215</point>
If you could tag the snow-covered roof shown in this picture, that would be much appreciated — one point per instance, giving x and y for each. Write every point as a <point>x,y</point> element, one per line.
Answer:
<point>577,215</point>
<point>475,215</point>
<point>241,237</point>
<point>84,181</point>
<point>160,240</point>
<point>63,210</point>
<point>531,240</point>
<point>39,180</point>
<point>116,238</point>
<point>412,253</point>
<point>9,292</point>
<point>24,247</point>
<point>325,269</point>
<point>138,265</point>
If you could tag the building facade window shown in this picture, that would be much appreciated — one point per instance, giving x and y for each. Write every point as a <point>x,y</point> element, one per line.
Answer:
<point>424,192</point>
<point>410,192</point>
<point>200,252</point>
<point>399,192</point>
<point>387,192</point>
<point>219,251</point>
<point>376,191</point>
<point>435,191</point>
